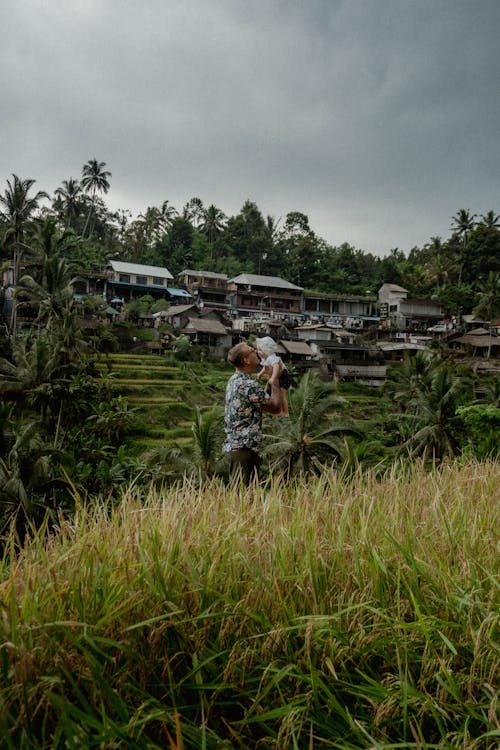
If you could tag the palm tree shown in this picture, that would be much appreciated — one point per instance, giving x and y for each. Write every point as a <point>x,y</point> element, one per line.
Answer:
<point>27,474</point>
<point>437,262</point>
<point>213,223</point>
<point>463,224</point>
<point>166,215</point>
<point>69,196</point>
<point>194,211</point>
<point>407,381</point>
<point>488,306</point>
<point>491,220</point>
<point>434,422</point>
<point>312,435</point>
<point>19,208</point>
<point>94,180</point>
<point>208,438</point>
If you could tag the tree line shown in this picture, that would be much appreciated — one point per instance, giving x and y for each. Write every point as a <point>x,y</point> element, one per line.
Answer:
<point>461,270</point>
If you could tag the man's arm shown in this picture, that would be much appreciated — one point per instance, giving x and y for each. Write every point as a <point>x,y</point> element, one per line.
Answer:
<point>273,404</point>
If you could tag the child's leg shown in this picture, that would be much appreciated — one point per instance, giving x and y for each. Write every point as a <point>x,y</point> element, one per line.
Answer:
<point>284,404</point>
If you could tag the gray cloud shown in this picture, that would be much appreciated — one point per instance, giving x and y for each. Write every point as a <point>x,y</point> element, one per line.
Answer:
<point>377,119</point>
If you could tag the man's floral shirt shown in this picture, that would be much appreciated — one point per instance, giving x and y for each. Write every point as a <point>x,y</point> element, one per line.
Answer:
<point>243,416</point>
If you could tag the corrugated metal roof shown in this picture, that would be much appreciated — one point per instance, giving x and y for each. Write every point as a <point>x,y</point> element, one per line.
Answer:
<point>268,281</point>
<point>297,347</point>
<point>205,325</point>
<point>178,310</point>
<point>205,274</point>
<point>178,292</point>
<point>392,288</point>
<point>136,268</point>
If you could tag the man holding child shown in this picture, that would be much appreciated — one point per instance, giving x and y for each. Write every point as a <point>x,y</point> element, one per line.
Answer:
<point>246,400</point>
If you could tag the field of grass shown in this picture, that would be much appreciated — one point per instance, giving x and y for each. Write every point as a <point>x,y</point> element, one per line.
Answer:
<point>315,614</point>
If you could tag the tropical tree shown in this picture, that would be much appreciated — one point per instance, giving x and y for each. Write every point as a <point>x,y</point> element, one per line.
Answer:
<point>94,180</point>
<point>488,306</point>
<point>312,435</point>
<point>405,382</point>
<point>208,437</point>
<point>432,415</point>
<point>194,211</point>
<point>69,199</point>
<point>28,473</point>
<point>491,220</point>
<point>18,209</point>
<point>214,221</point>
<point>167,214</point>
<point>462,224</point>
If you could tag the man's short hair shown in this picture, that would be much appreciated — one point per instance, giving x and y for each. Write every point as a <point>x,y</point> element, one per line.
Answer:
<point>237,354</point>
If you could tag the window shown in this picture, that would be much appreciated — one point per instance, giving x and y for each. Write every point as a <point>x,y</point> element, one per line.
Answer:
<point>125,278</point>
<point>141,280</point>
<point>157,281</point>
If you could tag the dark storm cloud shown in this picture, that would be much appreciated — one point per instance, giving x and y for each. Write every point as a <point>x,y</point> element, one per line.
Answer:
<point>378,119</point>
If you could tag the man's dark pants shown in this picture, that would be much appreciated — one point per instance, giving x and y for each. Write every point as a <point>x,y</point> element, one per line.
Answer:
<point>244,462</point>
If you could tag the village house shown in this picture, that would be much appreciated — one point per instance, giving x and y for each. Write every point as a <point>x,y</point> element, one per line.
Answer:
<point>208,331</point>
<point>479,342</point>
<point>208,289</point>
<point>177,316</point>
<point>342,309</point>
<point>126,281</point>
<point>404,313</point>
<point>400,312</point>
<point>269,296</point>
<point>351,361</point>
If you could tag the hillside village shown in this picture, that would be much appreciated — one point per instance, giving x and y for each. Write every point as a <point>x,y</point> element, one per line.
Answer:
<point>348,337</point>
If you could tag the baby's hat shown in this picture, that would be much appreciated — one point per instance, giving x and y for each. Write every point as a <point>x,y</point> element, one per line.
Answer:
<point>267,345</point>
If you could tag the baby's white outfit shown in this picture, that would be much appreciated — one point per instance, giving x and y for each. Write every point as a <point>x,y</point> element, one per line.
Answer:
<point>269,347</point>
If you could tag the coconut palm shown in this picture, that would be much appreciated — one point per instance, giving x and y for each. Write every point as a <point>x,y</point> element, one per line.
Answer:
<point>312,435</point>
<point>463,223</point>
<point>69,197</point>
<point>194,211</point>
<point>18,209</point>
<point>406,381</point>
<point>488,306</point>
<point>94,180</point>
<point>208,437</point>
<point>53,294</point>
<point>27,473</point>
<point>433,419</point>
<point>491,220</point>
<point>50,283</point>
<point>166,215</point>
<point>214,221</point>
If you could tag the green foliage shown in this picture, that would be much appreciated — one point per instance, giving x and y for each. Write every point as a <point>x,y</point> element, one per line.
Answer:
<point>312,436</point>
<point>482,429</point>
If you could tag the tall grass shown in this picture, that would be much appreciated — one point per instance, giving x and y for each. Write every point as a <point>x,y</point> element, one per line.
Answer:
<point>316,614</point>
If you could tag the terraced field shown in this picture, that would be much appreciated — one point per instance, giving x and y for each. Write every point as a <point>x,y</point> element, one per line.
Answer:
<point>164,393</point>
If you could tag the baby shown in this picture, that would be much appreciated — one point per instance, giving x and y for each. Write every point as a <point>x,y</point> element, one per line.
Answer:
<point>267,348</point>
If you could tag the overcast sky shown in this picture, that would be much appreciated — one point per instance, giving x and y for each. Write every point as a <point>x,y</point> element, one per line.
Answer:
<point>379,119</point>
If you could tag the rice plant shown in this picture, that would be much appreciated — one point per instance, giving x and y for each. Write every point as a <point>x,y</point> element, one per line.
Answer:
<point>321,613</point>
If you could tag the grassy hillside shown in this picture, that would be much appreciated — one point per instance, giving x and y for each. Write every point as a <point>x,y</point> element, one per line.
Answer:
<point>318,614</point>
<point>164,392</point>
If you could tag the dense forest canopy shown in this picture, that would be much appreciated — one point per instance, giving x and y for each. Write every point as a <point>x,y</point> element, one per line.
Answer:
<point>461,270</point>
